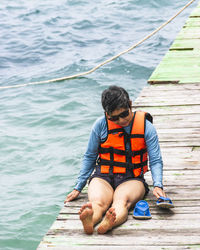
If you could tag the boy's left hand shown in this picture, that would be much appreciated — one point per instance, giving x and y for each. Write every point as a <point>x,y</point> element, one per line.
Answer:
<point>158,192</point>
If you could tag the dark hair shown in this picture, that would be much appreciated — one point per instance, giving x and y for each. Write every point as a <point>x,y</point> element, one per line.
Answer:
<point>114,98</point>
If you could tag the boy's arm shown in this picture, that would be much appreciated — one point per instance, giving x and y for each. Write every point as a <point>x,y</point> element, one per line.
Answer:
<point>155,159</point>
<point>89,159</point>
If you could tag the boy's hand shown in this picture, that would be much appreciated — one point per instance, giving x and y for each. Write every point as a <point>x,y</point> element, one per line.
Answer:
<point>158,192</point>
<point>71,196</point>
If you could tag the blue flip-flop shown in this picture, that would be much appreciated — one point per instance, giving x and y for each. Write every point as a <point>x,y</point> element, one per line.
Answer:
<point>164,202</point>
<point>141,210</point>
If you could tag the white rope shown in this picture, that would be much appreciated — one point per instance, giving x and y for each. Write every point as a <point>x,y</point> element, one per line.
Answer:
<point>103,63</point>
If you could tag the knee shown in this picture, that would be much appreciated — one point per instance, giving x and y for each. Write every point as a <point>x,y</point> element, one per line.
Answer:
<point>101,205</point>
<point>121,203</point>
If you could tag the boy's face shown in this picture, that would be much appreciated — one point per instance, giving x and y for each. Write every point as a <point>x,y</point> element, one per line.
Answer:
<point>121,117</point>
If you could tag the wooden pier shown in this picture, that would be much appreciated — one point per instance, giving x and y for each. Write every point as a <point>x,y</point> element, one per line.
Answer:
<point>173,98</point>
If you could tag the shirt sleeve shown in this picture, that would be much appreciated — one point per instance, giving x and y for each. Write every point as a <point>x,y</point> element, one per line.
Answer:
<point>155,158</point>
<point>90,156</point>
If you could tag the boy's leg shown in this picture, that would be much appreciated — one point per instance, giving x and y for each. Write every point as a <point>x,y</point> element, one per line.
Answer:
<point>125,195</point>
<point>100,195</point>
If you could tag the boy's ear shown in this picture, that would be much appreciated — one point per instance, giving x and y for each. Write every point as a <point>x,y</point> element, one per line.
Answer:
<point>130,104</point>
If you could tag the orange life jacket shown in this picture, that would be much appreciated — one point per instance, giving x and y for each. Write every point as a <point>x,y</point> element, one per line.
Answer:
<point>113,156</point>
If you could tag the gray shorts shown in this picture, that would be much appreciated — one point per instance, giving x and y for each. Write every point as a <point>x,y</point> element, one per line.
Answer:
<point>116,179</point>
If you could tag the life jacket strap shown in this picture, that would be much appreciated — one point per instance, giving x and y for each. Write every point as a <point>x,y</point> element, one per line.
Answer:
<point>126,165</point>
<point>115,130</point>
<point>129,153</point>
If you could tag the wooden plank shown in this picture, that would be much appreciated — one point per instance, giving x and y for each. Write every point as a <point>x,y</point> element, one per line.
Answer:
<point>184,197</point>
<point>192,22</point>
<point>169,167</point>
<point>135,238</point>
<point>188,35</point>
<point>175,82</point>
<point>163,104</point>
<point>178,165</point>
<point>68,208</point>
<point>179,99</point>
<point>179,65</point>
<point>172,87</point>
<point>176,64</point>
<point>179,75</point>
<point>170,136</point>
<point>180,54</point>
<point>179,144</point>
<point>181,44</point>
<point>183,60</point>
<point>168,102</point>
<point>179,182</point>
<point>138,247</point>
<point>195,13</point>
<point>172,75</point>
<point>178,124</point>
<point>183,172</point>
<point>133,224</point>
<point>187,131</point>
<point>191,30</point>
<point>153,226</point>
<point>168,71</point>
<point>178,118</point>
<point>168,110</point>
<point>188,153</point>
<point>179,138</point>
<point>64,215</point>
<point>155,216</point>
<point>173,94</point>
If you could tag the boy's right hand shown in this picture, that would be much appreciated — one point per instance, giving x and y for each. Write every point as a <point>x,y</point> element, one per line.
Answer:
<point>71,196</point>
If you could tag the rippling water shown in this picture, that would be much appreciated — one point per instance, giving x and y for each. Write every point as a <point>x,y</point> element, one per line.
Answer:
<point>44,128</point>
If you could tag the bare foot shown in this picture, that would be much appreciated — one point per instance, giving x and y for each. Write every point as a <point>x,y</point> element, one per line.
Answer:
<point>108,221</point>
<point>86,213</point>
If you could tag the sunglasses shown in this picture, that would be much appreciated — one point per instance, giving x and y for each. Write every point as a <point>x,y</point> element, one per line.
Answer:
<point>122,115</point>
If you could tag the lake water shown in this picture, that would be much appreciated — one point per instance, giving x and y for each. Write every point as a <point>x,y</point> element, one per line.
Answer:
<point>44,128</point>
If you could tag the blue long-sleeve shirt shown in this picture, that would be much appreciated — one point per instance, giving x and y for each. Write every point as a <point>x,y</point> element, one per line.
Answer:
<point>99,133</point>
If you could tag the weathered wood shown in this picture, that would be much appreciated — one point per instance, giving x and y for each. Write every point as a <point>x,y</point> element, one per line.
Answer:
<point>138,247</point>
<point>179,202</point>
<point>189,118</point>
<point>171,87</point>
<point>179,124</point>
<point>179,138</point>
<point>169,110</point>
<point>180,66</point>
<point>179,144</point>
<point>185,44</point>
<point>167,104</point>
<point>133,238</point>
<point>130,225</point>
<point>192,22</point>
<point>154,210</point>
<point>163,130</point>
<point>155,216</point>
<point>173,95</point>
<point>195,13</point>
